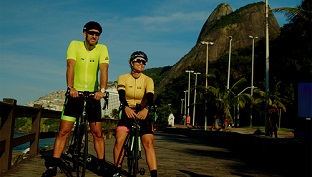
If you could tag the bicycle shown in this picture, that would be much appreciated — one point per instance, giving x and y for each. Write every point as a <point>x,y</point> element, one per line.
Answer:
<point>133,144</point>
<point>78,147</point>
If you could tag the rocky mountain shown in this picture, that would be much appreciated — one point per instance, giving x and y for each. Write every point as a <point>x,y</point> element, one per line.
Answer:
<point>222,23</point>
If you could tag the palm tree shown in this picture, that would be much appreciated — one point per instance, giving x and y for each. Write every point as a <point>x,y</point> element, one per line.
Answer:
<point>276,100</point>
<point>302,13</point>
<point>227,99</point>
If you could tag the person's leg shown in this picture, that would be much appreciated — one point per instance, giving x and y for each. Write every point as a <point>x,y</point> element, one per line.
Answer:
<point>59,145</point>
<point>60,140</point>
<point>150,153</point>
<point>275,132</point>
<point>99,146</point>
<point>118,148</point>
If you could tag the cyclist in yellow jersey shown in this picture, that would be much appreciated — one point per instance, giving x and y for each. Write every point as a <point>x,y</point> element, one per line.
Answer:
<point>84,60</point>
<point>136,89</point>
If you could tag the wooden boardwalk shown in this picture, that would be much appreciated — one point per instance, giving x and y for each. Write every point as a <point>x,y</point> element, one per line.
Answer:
<point>193,153</point>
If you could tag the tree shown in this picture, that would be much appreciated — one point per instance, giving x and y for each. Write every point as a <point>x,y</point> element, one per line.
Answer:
<point>225,100</point>
<point>276,99</point>
<point>115,113</point>
<point>302,13</point>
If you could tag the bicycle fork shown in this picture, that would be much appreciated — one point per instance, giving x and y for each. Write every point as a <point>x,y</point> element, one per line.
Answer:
<point>139,147</point>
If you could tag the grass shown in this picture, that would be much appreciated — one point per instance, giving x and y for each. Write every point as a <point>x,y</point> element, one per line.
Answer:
<point>262,128</point>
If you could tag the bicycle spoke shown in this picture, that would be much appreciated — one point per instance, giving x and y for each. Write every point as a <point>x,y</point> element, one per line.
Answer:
<point>81,151</point>
<point>85,151</point>
<point>136,153</point>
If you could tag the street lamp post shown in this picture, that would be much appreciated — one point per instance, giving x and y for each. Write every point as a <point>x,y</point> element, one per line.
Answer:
<point>252,72</point>
<point>194,98</point>
<point>185,92</point>
<point>182,110</point>
<point>266,117</point>
<point>189,92</point>
<point>229,65</point>
<point>206,86</point>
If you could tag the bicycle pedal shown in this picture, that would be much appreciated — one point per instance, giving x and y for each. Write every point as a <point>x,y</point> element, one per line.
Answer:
<point>142,171</point>
<point>51,171</point>
<point>89,159</point>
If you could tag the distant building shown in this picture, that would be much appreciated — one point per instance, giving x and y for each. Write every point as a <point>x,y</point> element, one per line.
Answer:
<point>113,101</point>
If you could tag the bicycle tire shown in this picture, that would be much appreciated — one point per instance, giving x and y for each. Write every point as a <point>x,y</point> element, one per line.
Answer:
<point>84,151</point>
<point>136,153</point>
<point>129,153</point>
<point>72,148</point>
<point>77,153</point>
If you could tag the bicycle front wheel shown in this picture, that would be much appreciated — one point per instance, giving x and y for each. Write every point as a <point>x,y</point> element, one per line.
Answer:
<point>82,155</point>
<point>132,156</point>
<point>84,151</point>
<point>136,153</point>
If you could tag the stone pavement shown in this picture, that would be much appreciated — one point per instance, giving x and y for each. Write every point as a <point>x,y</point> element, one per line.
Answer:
<point>183,152</point>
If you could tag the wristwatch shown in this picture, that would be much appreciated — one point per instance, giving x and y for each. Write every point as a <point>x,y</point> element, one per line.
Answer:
<point>103,90</point>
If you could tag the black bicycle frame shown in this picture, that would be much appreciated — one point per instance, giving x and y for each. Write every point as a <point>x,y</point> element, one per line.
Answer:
<point>79,142</point>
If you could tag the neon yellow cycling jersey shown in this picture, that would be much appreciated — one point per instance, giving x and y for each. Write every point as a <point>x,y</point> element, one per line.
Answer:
<point>136,89</point>
<point>87,64</point>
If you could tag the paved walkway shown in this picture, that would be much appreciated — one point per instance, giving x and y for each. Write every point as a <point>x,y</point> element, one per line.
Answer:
<point>250,131</point>
<point>190,153</point>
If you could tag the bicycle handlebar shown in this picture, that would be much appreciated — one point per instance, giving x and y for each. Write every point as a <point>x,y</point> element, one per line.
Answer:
<point>87,94</point>
<point>152,109</point>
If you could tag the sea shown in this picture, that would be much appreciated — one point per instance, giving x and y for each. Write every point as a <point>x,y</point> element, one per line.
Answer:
<point>43,143</point>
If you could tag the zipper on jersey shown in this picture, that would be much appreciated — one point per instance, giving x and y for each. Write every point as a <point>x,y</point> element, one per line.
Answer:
<point>134,90</point>
<point>86,75</point>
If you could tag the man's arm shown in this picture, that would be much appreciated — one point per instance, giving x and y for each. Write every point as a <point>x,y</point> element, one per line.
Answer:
<point>103,75</point>
<point>70,77</point>
<point>103,80</point>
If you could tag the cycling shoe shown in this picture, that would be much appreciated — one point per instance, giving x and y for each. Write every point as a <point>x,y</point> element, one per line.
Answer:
<point>50,172</point>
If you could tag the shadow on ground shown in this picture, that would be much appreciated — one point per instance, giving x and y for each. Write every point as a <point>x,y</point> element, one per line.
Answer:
<point>66,164</point>
<point>284,156</point>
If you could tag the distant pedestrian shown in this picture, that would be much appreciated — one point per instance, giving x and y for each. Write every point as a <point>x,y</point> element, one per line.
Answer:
<point>273,119</point>
<point>226,123</point>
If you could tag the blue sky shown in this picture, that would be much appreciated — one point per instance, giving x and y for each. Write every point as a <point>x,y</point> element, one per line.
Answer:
<point>35,35</point>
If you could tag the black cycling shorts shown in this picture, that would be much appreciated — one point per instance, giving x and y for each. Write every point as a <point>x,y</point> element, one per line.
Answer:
<point>74,107</point>
<point>146,125</point>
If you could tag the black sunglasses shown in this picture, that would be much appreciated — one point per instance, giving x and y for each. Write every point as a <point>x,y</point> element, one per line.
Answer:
<point>93,33</point>
<point>140,61</point>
